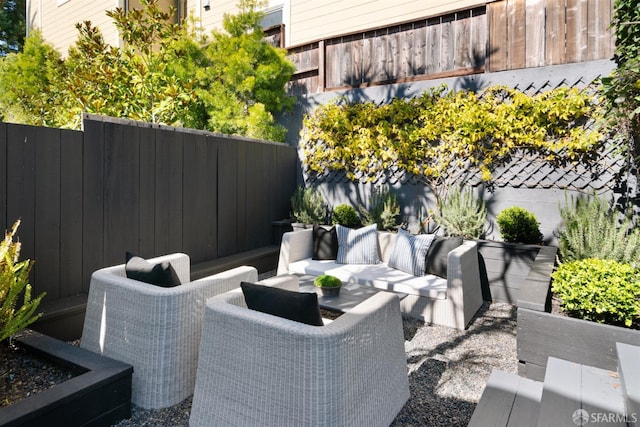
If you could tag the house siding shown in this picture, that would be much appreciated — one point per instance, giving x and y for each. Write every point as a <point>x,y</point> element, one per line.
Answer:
<point>58,22</point>
<point>312,20</point>
<point>305,20</point>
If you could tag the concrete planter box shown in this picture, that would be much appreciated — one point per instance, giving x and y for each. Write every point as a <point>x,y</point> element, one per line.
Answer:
<point>542,334</point>
<point>101,396</point>
<point>505,267</point>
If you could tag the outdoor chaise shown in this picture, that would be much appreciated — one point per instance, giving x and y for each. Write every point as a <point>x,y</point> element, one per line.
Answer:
<point>452,301</point>
<point>154,329</point>
<point>256,369</point>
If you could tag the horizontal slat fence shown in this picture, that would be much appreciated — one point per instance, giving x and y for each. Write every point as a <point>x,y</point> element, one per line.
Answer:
<point>85,198</point>
<point>504,35</point>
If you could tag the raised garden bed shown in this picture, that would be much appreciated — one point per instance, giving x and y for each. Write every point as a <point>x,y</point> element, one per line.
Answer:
<point>101,396</point>
<point>542,334</point>
<point>505,267</point>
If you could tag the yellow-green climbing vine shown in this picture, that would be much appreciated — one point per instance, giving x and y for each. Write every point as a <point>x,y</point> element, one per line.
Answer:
<point>429,134</point>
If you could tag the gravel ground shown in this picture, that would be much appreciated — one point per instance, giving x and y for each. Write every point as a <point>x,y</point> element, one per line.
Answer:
<point>448,370</point>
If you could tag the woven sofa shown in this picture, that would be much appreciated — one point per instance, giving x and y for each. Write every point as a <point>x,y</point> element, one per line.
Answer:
<point>152,328</point>
<point>258,369</point>
<point>450,302</point>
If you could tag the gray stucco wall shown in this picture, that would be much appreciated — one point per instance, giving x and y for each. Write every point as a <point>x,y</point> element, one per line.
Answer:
<point>538,189</point>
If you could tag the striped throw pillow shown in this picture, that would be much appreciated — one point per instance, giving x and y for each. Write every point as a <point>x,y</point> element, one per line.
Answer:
<point>409,252</point>
<point>357,246</point>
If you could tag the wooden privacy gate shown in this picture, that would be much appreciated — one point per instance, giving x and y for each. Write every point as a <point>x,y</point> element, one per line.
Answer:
<point>87,197</point>
<point>503,35</point>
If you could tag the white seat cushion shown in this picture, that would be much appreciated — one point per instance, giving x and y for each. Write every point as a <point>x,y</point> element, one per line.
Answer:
<point>379,276</point>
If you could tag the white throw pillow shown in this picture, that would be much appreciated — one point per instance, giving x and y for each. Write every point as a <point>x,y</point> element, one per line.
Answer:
<point>409,252</point>
<point>357,246</point>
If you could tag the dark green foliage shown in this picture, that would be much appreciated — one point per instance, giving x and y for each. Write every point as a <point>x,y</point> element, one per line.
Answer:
<point>308,206</point>
<point>345,215</point>
<point>164,73</point>
<point>518,225</point>
<point>603,291</point>
<point>626,16</point>
<point>327,281</point>
<point>12,26</point>
<point>591,229</point>
<point>621,88</point>
<point>382,209</point>
<point>14,282</point>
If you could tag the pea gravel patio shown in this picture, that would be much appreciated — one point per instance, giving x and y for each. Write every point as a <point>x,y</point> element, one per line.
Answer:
<point>448,369</point>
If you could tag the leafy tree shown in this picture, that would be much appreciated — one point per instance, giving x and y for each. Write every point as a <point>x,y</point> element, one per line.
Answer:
<point>12,26</point>
<point>131,81</point>
<point>232,82</point>
<point>30,89</point>
<point>622,87</point>
<point>244,81</point>
<point>626,25</point>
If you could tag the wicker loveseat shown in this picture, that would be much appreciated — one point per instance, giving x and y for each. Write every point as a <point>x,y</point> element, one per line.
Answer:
<point>450,302</point>
<point>259,369</point>
<point>152,328</point>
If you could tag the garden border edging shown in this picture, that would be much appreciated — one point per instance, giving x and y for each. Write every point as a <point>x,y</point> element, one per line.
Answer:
<point>101,396</point>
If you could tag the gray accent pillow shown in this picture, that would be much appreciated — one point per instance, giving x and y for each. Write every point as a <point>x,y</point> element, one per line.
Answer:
<point>438,254</point>
<point>410,252</point>
<point>325,243</point>
<point>357,246</point>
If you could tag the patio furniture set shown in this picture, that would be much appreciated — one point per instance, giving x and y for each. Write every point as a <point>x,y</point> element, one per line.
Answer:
<point>246,366</point>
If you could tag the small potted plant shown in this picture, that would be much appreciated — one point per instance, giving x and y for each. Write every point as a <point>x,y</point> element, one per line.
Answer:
<point>329,285</point>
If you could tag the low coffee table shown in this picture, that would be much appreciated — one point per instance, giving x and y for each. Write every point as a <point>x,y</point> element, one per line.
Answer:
<point>351,294</point>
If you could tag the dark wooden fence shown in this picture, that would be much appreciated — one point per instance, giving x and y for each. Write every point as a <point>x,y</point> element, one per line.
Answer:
<point>504,35</point>
<point>85,198</point>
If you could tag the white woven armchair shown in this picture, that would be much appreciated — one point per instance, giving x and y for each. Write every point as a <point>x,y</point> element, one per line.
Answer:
<point>154,329</point>
<point>256,369</point>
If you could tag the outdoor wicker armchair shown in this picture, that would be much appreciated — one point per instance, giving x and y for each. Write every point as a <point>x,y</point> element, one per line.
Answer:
<point>152,328</point>
<point>259,369</point>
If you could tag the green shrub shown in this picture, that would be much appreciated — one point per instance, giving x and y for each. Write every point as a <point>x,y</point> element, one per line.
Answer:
<point>461,213</point>
<point>591,229</point>
<point>603,291</point>
<point>383,209</point>
<point>308,206</point>
<point>345,215</point>
<point>14,280</point>
<point>327,281</point>
<point>518,225</point>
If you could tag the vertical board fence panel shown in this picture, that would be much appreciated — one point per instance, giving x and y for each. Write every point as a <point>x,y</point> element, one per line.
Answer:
<point>121,195</point>
<point>245,177</point>
<point>87,197</point>
<point>71,151</point>
<point>194,197</point>
<point>516,33</point>
<point>21,184</point>
<point>211,199</point>
<point>576,37</point>
<point>555,32</point>
<point>146,191</point>
<point>47,210</point>
<point>228,181</point>
<point>534,34</point>
<point>504,35</point>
